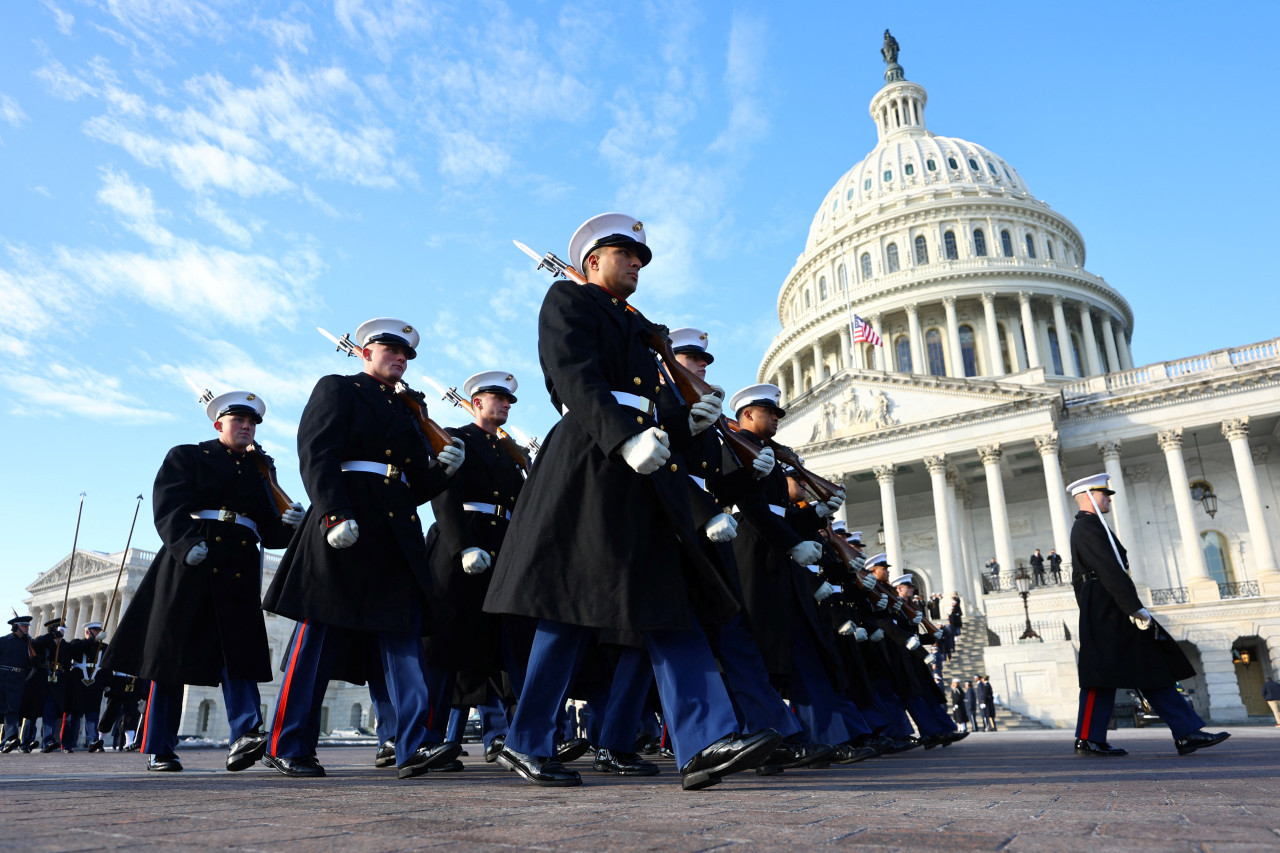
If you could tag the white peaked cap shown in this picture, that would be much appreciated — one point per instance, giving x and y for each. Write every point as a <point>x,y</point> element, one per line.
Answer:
<point>690,340</point>
<point>907,579</point>
<point>492,382</point>
<point>236,402</point>
<point>390,331</point>
<point>608,229</point>
<point>89,625</point>
<point>763,394</point>
<point>837,525</point>
<point>878,559</point>
<point>856,536</point>
<point>1096,482</point>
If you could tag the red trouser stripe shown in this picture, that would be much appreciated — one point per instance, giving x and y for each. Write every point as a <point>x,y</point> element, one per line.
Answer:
<point>1087,719</point>
<point>146,718</point>
<point>284,689</point>
<point>62,730</point>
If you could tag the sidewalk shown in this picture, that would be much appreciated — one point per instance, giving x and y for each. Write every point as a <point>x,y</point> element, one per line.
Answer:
<point>1007,791</point>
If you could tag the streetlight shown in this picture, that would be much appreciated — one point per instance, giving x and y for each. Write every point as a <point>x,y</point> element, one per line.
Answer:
<point>1023,582</point>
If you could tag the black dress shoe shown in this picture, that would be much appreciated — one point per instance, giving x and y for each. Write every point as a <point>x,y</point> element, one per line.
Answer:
<point>1199,740</point>
<point>10,745</point>
<point>545,772</point>
<point>133,747</point>
<point>624,764</point>
<point>494,749</point>
<point>97,746</point>
<point>788,756</point>
<point>1098,747</point>
<point>27,748</point>
<point>247,750</point>
<point>848,753</point>
<point>572,749</point>
<point>49,747</point>
<point>429,756</point>
<point>901,745</point>
<point>935,739</point>
<point>306,767</point>
<point>452,767</point>
<point>733,753</point>
<point>952,737</point>
<point>165,762</point>
<point>386,755</point>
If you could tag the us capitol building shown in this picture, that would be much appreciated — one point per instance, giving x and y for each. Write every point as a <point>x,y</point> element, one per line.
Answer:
<point>1006,372</point>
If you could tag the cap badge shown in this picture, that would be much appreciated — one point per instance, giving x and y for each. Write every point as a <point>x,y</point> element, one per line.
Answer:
<point>702,337</point>
<point>407,330</point>
<point>510,377</point>
<point>638,227</point>
<point>251,397</point>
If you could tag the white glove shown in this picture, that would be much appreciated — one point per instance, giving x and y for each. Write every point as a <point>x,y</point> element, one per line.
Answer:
<point>823,510</point>
<point>475,560</point>
<point>848,629</point>
<point>836,502</point>
<point>897,605</point>
<point>1142,618</point>
<point>913,643</point>
<point>883,603</point>
<point>646,451</point>
<point>293,515</point>
<point>704,413</point>
<point>452,457</point>
<point>860,634</point>
<point>919,617</point>
<point>196,555</point>
<point>763,464</point>
<point>929,659</point>
<point>868,580</point>
<point>937,635</point>
<point>806,552</point>
<point>722,528</point>
<point>344,534</point>
<point>877,635</point>
<point>823,591</point>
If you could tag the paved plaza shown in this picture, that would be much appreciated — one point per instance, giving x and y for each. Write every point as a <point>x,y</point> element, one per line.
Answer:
<point>1009,791</point>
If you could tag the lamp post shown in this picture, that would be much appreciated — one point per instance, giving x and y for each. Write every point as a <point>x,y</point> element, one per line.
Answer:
<point>1023,582</point>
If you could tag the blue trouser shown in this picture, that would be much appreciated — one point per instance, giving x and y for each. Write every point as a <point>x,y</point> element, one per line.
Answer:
<point>931,717</point>
<point>899,726</point>
<point>159,734</point>
<point>632,678</point>
<point>384,712</point>
<point>11,687</point>
<point>756,703</point>
<point>694,699</point>
<point>457,721</point>
<point>826,716</point>
<point>1097,703</point>
<point>91,726</point>
<point>440,685</point>
<point>295,729</point>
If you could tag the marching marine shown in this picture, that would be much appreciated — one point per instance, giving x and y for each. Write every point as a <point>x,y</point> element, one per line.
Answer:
<point>16,653</point>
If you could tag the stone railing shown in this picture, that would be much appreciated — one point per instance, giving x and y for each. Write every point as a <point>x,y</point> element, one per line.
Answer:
<point>1011,634</point>
<point>1004,581</point>
<point>1172,595</point>
<point>1171,371</point>
<point>1244,589</point>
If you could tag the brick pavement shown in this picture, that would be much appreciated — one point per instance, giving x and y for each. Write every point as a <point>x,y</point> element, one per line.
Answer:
<point>1010,791</point>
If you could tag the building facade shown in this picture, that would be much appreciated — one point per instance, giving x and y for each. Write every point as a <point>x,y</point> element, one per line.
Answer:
<point>1005,373</point>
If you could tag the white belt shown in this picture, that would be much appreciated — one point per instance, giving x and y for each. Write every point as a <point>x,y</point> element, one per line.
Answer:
<point>382,469</point>
<point>491,509</point>
<point>813,568</point>
<point>778,510</point>
<point>701,483</point>
<point>227,515</point>
<point>635,401</point>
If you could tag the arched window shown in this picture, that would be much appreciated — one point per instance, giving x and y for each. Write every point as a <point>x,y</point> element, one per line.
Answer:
<point>866,266</point>
<point>1075,354</point>
<point>1006,358</point>
<point>933,345</point>
<point>1031,247</point>
<point>203,716</point>
<point>902,353</point>
<point>869,356</point>
<point>1048,244</point>
<point>892,254</point>
<point>808,301</point>
<point>1006,243</point>
<point>922,250</point>
<point>1217,555</point>
<point>979,243</point>
<point>949,245</point>
<point>968,350</point>
<point>822,288</point>
<point>842,278</point>
<point>357,715</point>
<point>1055,351</point>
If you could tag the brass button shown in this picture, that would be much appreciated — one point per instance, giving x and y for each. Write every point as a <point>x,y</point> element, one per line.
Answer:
<point>244,542</point>
<point>636,380</point>
<point>493,524</point>
<point>413,517</point>
<point>388,452</point>
<point>704,464</point>
<point>675,467</point>
<point>493,553</point>
<point>333,518</point>
<point>217,539</point>
<point>639,419</point>
<point>224,507</point>
<point>237,574</point>
<point>391,515</point>
<point>386,480</point>
<point>407,461</point>
<point>215,570</point>
<point>657,390</point>
<point>495,494</point>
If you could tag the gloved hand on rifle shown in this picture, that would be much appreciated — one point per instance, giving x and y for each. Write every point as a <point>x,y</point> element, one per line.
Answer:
<point>706,411</point>
<point>806,552</point>
<point>293,515</point>
<point>868,580</point>
<point>343,534</point>
<point>828,508</point>
<point>196,554</point>
<point>1142,618</point>
<point>877,635</point>
<point>860,634</point>
<point>897,605</point>
<point>475,560</point>
<point>762,465</point>
<point>883,602</point>
<point>823,591</point>
<point>937,635</point>
<point>918,618</point>
<point>722,528</point>
<point>646,451</point>
<point>452,457</point>
<point>913,643</point>
<point>848,629</point>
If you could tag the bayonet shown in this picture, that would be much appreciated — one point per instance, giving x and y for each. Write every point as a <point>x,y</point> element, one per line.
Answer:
<point>203,395</point>
<point>549,261</point>
<point>344,343</point>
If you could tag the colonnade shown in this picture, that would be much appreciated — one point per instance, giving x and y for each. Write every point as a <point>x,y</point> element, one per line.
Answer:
<point>81,609</point>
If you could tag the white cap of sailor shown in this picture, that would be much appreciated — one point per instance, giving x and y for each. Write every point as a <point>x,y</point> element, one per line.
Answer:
<point>691,342</point>
<point>1095,483</point>
<point>90,626</point>
<point>837,525</point>
<point>389,331</point>
<point>906,579</point>
<point>491,382</point>
<point>236,403</point>
<point>608,229</point>
<point>878,560</point>
<point>763,394</point>
<point>855,537</point>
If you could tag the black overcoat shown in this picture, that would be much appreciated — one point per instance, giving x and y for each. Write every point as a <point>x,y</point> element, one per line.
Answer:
<point>1113,651</point>
<point>462,636</point>
<point>592,542</point>
<point>379,582</point>
<point>186,622</point>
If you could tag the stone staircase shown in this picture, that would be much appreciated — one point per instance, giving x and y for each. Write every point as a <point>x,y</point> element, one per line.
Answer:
<point>967,661</point>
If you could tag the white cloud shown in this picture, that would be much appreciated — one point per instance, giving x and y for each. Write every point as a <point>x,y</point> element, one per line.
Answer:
<point>210,212</point>
<point>135,205</point>
<point>380,25</point>
<point>285,32</point>
<point>63,388</point>
<point>63,84</point>
<point>747,121</point>
<point>11,111</point>
<point>61,19</point>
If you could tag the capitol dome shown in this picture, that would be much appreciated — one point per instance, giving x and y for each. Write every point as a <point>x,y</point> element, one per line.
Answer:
<point>938,244</point>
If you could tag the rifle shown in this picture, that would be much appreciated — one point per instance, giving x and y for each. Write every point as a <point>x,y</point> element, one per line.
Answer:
<point>436,435</point>
<point>846,555</point>
<point>111,605</point>
<point>517,453</point>
<point>260,459</point>
<point>57,645</point>
<point>821,487</point>
<point>688,386</point>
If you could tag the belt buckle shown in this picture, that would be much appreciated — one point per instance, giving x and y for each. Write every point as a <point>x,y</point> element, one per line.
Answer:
<point>226,515</point>
<point>498,510</point>
<point>392,471</point>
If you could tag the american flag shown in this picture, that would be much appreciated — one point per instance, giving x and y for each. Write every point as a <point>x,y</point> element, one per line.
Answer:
<point>863,333</point>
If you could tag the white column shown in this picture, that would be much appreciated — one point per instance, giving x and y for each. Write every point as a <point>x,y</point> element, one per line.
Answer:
<point>999,511</point>
<point>878,353</point>
<point>1057,494</point>
<point>845,349</point>
<point>72,617</point>
<point>1122,510</point>
<point>1200,585</point>
<point>1109,340</point>
<point>1090,341</point>
<point>953,337</point>
<point>780,379</point>
<point>889,512</point>
<point>937,466</point>
<point>817,362</point>
<point>994,359</point>
<point>1017,352</point>
<point>1029,330</point>
<point>913,331</point>
<point>1265,570</point>
<point>797,378</point>
<point>1064,339</point>
<point>88,604</point>
<point>1126,357</point>
<point>36,613</point>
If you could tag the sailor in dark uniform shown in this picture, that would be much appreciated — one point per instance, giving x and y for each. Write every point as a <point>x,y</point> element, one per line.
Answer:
<point>46,694</point>
<point>121,714</point>
<point>1121,644</point>
<point>84,689</point>
<point>15,665</point>
<point>603,537</point>
<point>197,615</point>
<point>356,575</point>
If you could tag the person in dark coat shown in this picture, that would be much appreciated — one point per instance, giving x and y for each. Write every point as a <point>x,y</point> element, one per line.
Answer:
<point>197,615</point>
<point>85,688</point>
<point>972,703</point>
<point>1121,644</point>
<point>955,617</point>
<point>959,707</point>
<point>16,653</point>
<point>987,704</point>
<point>603,535</point>
<point>45,695</point>
<point>356,576</point>
<point>1055,566</point>
<point>121,714</point>
<point>1037,567</point>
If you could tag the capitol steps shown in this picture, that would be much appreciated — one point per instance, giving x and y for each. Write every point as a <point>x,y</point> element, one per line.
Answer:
<point>967,661</point>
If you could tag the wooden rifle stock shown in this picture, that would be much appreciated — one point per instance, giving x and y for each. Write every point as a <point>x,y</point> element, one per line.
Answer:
<point>846,555</point>
<point>268,472</point>
<point>821,487</point>
<point>436,435</point>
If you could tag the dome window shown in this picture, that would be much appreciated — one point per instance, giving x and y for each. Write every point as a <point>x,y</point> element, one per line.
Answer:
<point>973,164</point>
<point>808,302</point>
<point>902,352</point>
<point>930,165</point>
<point>888,175</point>
<point>848,196</point>
<point>835,202</point>
<point>892,254</point>
<point>867,184</point>
<point>933,345</point>
<point>992,169</point>
<point>822,288</point>
<point>951,161</point>
<point>1006,244</point>
<point>949,245</point>
<point>1006,173</point>
<point>909,169</point>
<point>866,266</point>
<point>922,250</point>
<point>968,350</point>
<point>979,243</point>
<point>1048,244</point>
<point>1031,247</point>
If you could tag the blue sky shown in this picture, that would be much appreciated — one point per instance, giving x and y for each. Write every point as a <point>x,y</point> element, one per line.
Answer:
<point>190,187</point>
